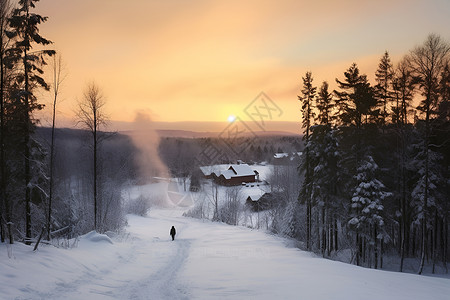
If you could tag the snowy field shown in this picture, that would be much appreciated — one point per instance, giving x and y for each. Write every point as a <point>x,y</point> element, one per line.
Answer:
<point>206,261</point>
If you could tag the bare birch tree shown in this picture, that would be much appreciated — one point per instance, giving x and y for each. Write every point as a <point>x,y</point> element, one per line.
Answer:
<point>57,80</point>
<point>91,116</point>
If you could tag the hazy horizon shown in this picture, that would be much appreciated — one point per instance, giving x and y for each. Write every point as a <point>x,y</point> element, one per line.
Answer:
<point>194,126</point>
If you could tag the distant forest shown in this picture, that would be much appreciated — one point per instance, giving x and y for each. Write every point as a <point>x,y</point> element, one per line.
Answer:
<point>181,155</point>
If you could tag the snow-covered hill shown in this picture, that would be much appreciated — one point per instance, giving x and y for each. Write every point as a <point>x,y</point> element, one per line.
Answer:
<point>206,261</point>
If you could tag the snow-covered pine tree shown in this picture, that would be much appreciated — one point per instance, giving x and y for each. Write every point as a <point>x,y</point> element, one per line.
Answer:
<point>434,208</point>
<point>403,87</point>
<point>428,62</point>
<point>25,33</point>
<point>324,158</point>
<point>367,211</point>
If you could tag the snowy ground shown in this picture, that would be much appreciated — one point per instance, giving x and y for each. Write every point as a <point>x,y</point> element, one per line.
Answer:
<point>206,261</point>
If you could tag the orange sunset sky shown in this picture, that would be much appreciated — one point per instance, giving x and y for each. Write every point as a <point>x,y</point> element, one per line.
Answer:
<point>198,60</point>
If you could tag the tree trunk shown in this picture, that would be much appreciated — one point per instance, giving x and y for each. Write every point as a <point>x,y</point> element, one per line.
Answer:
<point>308,199</point>
<point>375,247</point>
<point>358,249</point>
<point>27,153</point>
<point>434,237</point>
<point>446,233</point>
<point>2,174</point>
<point>52,157</point>
<point>324,232</point>
<point>403,202</point>
<point>4,205</point>
<point>336,245</point>
<point>425,200</point>
<point>95,171</point>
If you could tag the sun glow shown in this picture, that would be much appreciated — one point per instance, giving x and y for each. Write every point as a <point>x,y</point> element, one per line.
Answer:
<point>231,118</point>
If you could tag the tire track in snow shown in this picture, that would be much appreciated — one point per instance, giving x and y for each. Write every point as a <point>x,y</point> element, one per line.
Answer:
<point>148,269</point>
<point>164,283</point>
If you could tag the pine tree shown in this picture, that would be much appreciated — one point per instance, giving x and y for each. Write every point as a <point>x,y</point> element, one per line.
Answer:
<point>24,30</point>
<point>427,63</point>
<point>306,99</point>
<point>403,86</point>
<point>367,208</point>
<point>324,156</point>
<point>324,105</point>
<point>383,89</point>
<point>355,100</point>
<point>5,211</point>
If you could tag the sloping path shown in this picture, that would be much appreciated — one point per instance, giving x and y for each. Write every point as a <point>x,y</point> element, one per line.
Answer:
<point>206,261</point>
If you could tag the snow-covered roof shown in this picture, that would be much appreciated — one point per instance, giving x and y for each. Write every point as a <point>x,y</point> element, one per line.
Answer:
<point>280,155</point>
<point>206,170</point>
<point>254,197</point>
<point>228,174</point>
<point>216,169</point>
<point>228,171</point>
<point>284,154</point>
<point>242,170</point>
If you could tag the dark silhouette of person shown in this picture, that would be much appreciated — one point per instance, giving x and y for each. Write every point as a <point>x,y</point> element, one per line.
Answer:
<point>173,232</point>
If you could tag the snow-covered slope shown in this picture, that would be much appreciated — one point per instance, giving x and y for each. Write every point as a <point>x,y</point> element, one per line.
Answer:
<point>206,261</point>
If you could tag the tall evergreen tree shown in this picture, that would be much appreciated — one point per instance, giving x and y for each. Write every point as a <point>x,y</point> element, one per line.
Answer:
<point>5,211</point>
<point>324,105</point>
<point>367,217</point>
<point>383,89</point>
<point>25,32</point>
<point>442,132</point>
<point>355,100</point>
<point>428,62</point>
<point>306,99</point>
<point>324,156</point>
<point>403,86</point>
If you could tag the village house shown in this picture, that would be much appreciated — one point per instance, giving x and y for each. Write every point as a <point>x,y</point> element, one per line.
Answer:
<point>260,202</point>
<point>235,174</point>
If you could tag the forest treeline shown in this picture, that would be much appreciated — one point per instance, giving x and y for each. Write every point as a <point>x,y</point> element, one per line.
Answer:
<point>376,160</point>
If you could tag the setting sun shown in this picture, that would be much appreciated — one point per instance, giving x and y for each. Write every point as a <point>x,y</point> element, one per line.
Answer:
<point>231,118</point>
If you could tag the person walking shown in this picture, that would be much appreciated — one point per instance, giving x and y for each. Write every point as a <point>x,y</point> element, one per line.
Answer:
<point>173,232</point>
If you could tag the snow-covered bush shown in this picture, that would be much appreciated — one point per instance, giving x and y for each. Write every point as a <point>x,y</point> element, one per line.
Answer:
<point>138,206</point>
